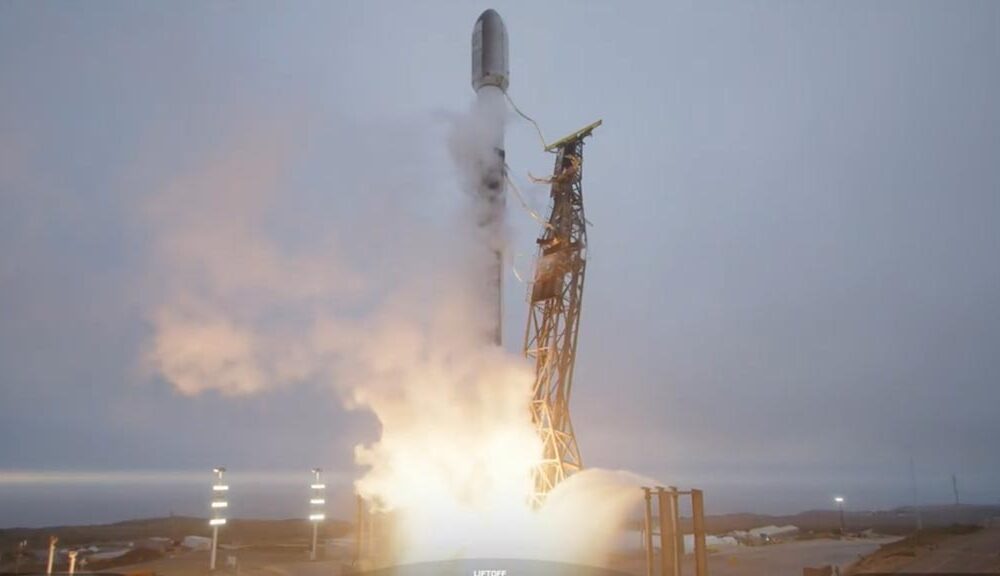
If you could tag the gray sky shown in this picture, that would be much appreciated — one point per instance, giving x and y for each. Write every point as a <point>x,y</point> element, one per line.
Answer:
<point>793,284</point>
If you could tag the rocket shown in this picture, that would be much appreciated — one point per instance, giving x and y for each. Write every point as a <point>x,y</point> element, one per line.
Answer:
<point>490,78</point>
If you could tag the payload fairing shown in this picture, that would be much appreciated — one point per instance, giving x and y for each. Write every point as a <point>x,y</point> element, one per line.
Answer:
<point>489,52</point>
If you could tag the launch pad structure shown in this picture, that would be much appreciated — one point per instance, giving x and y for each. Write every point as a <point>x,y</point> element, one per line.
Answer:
<point>555,299</point>
<point>666,523</point>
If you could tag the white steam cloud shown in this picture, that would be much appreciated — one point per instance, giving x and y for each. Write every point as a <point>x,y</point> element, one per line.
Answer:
<point>239,312</point>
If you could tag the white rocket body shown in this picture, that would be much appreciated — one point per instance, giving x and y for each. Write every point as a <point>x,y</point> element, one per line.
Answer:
<point>490,78</point>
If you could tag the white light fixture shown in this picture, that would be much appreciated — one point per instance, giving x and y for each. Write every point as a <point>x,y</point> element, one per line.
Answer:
<point>217,522</point>
<point>317,501</point>
<point>220,504</point>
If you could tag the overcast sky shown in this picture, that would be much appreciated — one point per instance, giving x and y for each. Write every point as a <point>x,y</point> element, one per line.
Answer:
<point>794,275</point>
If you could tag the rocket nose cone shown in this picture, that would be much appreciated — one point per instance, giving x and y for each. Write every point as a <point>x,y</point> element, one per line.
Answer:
<point>489,51</point>
<point>490,15</point>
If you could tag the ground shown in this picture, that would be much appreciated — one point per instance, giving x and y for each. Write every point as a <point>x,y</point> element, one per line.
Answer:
<point>273,561</point>
<point>789,558</point>
<point>268,548</point>
<point>786,559</point>
<point>951,551</point>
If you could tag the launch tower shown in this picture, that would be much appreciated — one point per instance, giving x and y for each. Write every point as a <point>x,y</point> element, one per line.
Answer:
<point>555,298</point>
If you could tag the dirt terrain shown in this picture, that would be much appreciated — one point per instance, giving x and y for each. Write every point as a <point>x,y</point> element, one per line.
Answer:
<point>955,550</point>
<point>257,540</point>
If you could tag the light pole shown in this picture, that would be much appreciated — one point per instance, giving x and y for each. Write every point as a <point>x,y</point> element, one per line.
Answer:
<point>317,506</point>
<point>840,504</point>
<point>72,561</point>
<point>219,505</point>
<point>52,553</point>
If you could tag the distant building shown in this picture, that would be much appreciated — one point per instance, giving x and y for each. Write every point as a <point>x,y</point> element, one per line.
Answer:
<point>197,542</point>
<point>765,534</point>
<point>156,543</point>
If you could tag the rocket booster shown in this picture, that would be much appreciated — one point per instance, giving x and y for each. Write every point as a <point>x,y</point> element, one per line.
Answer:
<point>490,78</point>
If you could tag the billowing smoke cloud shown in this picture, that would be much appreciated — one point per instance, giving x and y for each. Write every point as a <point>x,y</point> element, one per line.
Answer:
<point>237,311</point>
<point>475,143</point>
<point>223,284</point>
